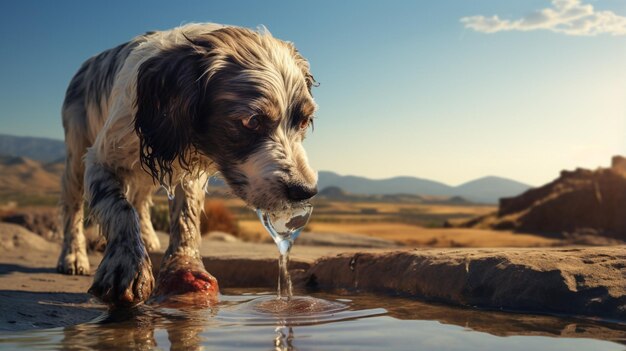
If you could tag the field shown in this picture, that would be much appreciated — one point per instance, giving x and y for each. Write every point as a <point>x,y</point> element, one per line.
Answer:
<point>411,224</point>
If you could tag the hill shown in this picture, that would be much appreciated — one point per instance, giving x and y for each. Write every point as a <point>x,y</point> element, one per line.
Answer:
<point>23,175</point>
<point>39,149</point>
<point>490,189</point>
<point>396,185</point>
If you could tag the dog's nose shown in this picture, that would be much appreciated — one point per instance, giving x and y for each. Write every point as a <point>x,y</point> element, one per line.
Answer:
<point>298,192</point>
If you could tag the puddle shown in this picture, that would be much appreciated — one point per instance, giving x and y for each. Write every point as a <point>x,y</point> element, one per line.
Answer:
<point>255,320</point>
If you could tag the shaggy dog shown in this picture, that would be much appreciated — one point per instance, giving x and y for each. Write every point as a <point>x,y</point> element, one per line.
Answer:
<point>170,109</point>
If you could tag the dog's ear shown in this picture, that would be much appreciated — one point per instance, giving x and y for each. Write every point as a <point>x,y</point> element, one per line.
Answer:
<point>169,94</point>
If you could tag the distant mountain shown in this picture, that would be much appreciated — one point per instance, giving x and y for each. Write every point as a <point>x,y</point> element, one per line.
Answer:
<point>490,189</point>
<point>39,149</point>
<point>484,190</point>
<point>337,194</point>
<point>396,185</point>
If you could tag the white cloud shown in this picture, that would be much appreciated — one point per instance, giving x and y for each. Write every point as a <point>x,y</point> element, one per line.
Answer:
<point>570,17</point>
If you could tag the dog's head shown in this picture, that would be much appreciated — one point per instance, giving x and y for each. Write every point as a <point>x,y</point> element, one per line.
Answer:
<point>241,98</point>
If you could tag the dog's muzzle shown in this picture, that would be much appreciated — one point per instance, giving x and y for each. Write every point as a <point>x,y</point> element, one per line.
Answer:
<point>299,192</point>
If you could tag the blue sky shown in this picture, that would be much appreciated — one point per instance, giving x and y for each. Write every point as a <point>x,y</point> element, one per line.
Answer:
<point>407,87</point>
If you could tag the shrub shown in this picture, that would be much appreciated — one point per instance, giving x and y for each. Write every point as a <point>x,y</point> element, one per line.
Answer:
<point>217,217</point>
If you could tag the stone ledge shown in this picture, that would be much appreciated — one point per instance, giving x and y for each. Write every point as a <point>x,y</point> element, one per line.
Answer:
<point>574,281</point>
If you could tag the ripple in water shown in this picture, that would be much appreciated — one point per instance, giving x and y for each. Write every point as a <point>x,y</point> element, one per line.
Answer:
<point>297,311</point>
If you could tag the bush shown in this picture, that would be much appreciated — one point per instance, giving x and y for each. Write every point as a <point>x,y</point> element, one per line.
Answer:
<point>217,217</point>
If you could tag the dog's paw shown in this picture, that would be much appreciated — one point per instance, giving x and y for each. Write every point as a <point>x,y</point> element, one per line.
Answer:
<point>73,262</point>
<point>151,241</point>
<point>183,280</point>
<point>124,278</point>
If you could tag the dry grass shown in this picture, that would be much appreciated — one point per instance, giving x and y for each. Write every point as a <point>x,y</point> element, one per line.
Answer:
<point>412,224</point>
<point>412,235</point>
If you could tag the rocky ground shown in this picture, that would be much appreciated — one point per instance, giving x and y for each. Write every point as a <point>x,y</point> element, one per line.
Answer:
<point>575,281</point>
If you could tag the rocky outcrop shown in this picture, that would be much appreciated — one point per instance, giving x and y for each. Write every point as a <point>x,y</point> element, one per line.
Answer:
<point>580,203</point>
<point>589,282</point>
<point>15,237</point>
<point>45,222</point>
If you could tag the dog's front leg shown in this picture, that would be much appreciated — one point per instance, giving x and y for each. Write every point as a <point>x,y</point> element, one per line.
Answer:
<point>124,277</point>
<point>182,271</point>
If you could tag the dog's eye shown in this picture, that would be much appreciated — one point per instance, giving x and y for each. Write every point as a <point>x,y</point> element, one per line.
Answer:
<point>252,123</point>
<point>305,122</point>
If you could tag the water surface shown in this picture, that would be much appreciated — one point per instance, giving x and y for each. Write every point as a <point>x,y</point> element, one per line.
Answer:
<point>253,320</point>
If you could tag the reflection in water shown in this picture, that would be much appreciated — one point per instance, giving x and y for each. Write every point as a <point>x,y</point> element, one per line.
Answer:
<point>245,321</point>
<point>284,339</point>
<point>135,329</point>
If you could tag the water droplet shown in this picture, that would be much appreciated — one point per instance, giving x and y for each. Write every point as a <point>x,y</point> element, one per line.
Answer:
<point>168,191</point>
<point>208,181</point>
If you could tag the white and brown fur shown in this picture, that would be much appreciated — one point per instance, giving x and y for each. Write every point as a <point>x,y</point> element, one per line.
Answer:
<point>171,108</point>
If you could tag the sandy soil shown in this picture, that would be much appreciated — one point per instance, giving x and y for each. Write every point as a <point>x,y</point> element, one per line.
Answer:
<point>32,293</point>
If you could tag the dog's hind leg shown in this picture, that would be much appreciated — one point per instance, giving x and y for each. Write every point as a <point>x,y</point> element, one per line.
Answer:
<point>182,271</point>
<point>141,198</point>
<point>73,258</point>
<point>124,277</point>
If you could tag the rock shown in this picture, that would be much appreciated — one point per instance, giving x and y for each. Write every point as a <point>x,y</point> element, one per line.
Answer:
<point>618,164</point>
<point>221,236</point>
<point>45,222</point>
<point>13,236</point>
<point>590,282</point>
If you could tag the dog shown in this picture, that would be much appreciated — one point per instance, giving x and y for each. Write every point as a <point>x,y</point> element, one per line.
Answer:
<point>169,109</point>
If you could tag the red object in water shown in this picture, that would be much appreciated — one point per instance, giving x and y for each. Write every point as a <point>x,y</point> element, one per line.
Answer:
<point>184,281</point>
<point>186,286</point>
